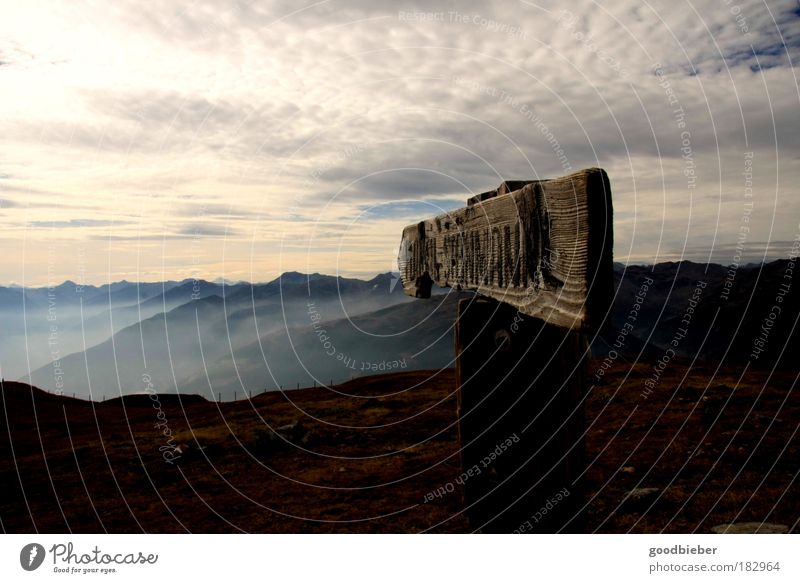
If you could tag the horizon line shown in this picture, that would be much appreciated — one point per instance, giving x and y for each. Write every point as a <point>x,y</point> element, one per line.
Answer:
<point>232,282</point>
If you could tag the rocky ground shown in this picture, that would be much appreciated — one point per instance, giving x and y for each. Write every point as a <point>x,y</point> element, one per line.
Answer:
<point>705,448</point>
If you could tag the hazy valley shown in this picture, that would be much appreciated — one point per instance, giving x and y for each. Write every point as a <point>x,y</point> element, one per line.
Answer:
<point>228,339</point>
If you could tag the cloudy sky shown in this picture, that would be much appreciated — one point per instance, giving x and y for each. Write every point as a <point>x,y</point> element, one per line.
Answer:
<point>239,139</point>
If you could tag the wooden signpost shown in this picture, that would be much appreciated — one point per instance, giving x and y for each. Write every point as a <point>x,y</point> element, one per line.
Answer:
<point>539,255</point>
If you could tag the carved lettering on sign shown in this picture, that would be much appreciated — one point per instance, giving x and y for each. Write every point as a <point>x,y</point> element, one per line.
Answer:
<point>545,248</point>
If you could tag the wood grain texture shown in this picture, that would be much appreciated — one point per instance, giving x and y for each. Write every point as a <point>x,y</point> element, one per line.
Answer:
<point>545,249</point>
<point>521,421</point>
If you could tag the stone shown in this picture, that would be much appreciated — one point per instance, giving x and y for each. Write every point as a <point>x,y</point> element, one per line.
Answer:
<point>639,499</point>
<point>750,528</point>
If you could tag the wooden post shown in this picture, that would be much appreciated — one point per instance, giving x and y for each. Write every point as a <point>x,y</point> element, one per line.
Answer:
<point>540,252</point>
<point>521,421</point>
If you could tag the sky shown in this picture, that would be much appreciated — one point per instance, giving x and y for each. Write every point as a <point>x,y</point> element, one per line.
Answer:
<point>237,139</point>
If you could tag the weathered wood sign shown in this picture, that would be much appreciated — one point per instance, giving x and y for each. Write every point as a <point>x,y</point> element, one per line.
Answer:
<point>544,248</point>
<point>541,254</point>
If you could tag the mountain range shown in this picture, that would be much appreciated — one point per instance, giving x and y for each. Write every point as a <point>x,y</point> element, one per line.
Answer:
<point>225,340</point>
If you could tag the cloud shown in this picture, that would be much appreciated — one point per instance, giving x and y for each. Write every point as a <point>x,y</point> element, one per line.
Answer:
<point>277,116</point>
<point>411,210</point>
<point>210,209</point>
<point>12,54</point>
<point>206,230</point>
<point>76,224</point>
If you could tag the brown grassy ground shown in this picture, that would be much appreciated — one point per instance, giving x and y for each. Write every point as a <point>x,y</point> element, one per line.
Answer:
<point>373,454</point>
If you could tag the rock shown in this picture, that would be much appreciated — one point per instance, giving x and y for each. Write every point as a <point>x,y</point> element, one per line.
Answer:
<point>750,528</point>
<point>288,427</point>
<point>183,448</point>
<point>639,499</point>
<point>294,432</point>
<point>711,410</point>
<point>281,438</point>
<point>187,451</point>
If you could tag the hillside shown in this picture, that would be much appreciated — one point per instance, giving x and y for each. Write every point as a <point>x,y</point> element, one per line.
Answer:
<point>719,447</point>
<point>409,336</point>
<point>724,319</point>
<point>180,343</point>
<point>306,328</point>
